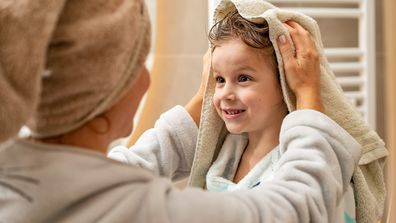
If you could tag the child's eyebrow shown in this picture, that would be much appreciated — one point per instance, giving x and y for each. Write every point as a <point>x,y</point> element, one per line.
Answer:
<point>245,67</point>
<point>241,67</point>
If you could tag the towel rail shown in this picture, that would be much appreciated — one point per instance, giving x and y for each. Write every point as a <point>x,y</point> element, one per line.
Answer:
<point>356,95</point>
<point>343,52</point>
<point>329,12</point>
<point>362,110</point>
<point>346,67</point>
<point>350,81</point>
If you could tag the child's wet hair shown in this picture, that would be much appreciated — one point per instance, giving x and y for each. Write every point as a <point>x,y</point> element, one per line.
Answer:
<point>233,25</point>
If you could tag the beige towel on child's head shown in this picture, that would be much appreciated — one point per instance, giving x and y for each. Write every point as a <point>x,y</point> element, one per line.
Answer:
<point>368,178</point>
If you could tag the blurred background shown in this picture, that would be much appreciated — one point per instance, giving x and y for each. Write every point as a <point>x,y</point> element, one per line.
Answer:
<point>358,35</point>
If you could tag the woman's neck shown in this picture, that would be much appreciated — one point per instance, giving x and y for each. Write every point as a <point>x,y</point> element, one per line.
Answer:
<point>81,141</point>
<point>95,135</point>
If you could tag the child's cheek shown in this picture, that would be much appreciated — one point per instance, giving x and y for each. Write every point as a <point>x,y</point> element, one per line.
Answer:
<point>216,104</point>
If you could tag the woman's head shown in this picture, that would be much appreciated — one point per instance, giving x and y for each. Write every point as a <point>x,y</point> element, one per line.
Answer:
<point>247,96</point>
<point>94,57</point>
<point>67,66</point>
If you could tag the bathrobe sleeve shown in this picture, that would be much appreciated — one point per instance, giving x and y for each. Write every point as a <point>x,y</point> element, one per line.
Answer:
<point>310,179</point>
<point>167,149</point>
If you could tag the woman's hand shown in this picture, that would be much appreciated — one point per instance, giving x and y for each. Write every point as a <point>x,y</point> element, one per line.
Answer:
<point>194,106</point>
<point>205,73</point>
<point>302,68</point>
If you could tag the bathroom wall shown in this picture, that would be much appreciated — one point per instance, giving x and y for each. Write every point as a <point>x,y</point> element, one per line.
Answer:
<point>180,42</point>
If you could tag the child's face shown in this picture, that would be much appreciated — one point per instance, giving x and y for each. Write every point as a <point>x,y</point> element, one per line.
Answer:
<point>247,96</point>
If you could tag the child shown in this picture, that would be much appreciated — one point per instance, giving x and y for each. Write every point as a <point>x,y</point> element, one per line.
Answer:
<point>249,100</point>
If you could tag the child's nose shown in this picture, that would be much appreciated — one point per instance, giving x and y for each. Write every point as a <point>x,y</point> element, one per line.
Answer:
<point>228,92</point>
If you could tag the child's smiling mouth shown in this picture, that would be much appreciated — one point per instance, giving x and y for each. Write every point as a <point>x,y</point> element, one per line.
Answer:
<point>232,113</point>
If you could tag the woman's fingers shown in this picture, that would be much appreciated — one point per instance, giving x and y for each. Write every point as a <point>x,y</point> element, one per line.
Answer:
<point>302,68</point>
<point>301,38</point>
<point>286,50</point>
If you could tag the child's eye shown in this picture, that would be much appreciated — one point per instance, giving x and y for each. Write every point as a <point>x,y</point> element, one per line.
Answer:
<point>219,79</point>
<point>244,78</point>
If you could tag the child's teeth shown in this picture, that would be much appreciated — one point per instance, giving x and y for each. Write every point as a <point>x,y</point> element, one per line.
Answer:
<point>233,112</point>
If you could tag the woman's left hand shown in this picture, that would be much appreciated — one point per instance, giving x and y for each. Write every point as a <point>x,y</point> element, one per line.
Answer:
<point>302,66</point>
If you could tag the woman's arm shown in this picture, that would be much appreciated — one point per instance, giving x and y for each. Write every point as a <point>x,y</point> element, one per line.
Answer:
<point>168,148</point>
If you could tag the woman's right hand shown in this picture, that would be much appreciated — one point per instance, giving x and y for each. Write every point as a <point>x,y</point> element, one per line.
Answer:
<point>194,106</point>
<point>205,73</point>
<point>302,67</point>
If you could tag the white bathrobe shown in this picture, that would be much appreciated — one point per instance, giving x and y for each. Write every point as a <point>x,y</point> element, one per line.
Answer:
<point>222,172</point>
<point>302,189</point>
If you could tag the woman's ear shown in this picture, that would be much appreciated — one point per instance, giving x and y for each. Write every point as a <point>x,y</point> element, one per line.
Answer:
<point>100,124</point>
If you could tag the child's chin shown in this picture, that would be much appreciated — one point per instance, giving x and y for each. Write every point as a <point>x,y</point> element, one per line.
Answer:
<point>234,131</point>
